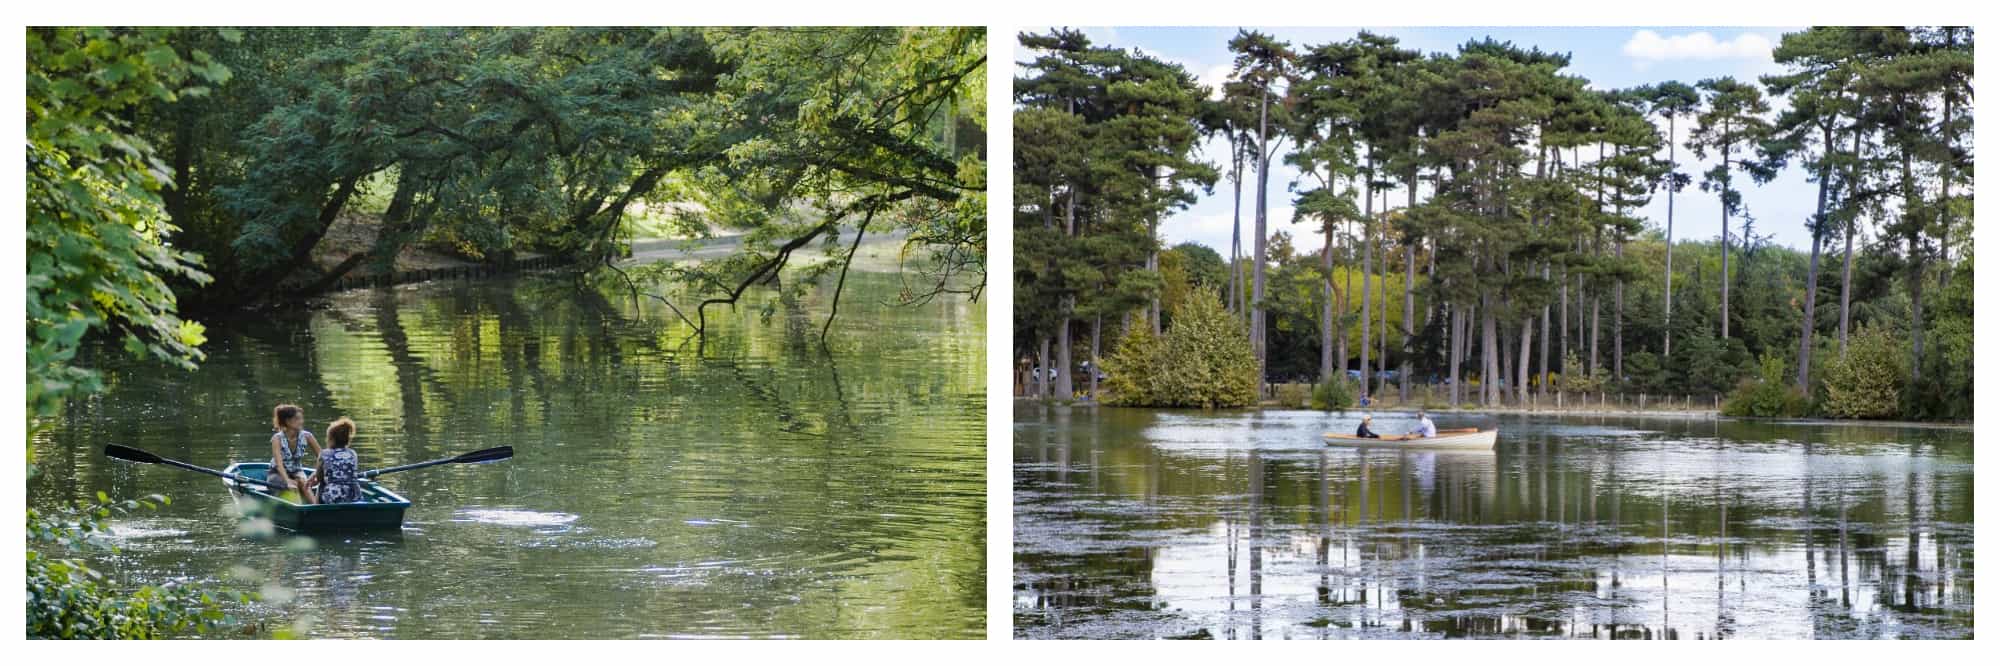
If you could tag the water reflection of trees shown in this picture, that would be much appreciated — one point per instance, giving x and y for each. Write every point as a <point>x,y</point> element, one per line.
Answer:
<point>1561,517</point>
<point>863,460</point>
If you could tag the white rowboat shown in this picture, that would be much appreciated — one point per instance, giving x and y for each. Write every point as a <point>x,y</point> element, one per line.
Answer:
<point>1482,440</point>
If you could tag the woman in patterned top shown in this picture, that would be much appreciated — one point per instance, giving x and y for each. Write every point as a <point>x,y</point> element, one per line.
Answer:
<point>339,474</point>
<point>288,452</point>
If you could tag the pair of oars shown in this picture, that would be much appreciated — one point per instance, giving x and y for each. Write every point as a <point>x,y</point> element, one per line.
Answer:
<point>130,454</point>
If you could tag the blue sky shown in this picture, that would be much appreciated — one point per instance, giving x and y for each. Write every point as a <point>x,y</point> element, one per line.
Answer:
<point>1608,57</point>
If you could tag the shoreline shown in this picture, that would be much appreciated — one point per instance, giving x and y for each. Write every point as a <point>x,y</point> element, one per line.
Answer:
<point>1699,414</point>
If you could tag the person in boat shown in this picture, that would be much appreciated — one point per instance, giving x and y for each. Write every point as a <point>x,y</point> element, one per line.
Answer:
<point>1363,430</point>
<point>1424,429</point>
<point>289,447</point>
<point>339,477</point>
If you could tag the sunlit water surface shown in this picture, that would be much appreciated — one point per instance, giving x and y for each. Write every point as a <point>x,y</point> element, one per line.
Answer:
<point>754,486</point>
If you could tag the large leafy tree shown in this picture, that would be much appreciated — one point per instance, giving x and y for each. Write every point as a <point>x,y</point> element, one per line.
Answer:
<point>100,246</point>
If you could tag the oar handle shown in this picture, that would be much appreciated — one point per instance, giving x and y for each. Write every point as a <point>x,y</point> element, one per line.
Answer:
<point>204,470</point>
<point>404,468</point>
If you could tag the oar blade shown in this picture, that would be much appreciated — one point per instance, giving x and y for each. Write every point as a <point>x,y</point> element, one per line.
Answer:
<point>130,454</point>
<point>494,454</point>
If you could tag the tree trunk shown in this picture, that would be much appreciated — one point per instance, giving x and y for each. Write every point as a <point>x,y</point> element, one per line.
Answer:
<point>1521,369</point>
<point>1346,292</point>
<point>1096,336</point>
<point>1367,269</point>
<point>1489,353</point>
<point>1667,321</point>
<point>1043,389</point>
<point>1812,262</point>
<point>1847,253</point>
<point>1595,330</point>
<point>1618,317</point>
<point>1563,325</point>
<point>1916,260</point>
<point>1257,342</point>
<point>1065,387</point>
<point>1409,298</point>
<point>1236,232</point>
<point>1724,200</point>
<point>1453,324</point>
<point>397,220</point>
<point>1326,301</point>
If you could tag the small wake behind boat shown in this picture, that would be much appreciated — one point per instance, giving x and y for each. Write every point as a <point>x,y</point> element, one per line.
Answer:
<point>379,509</point>
<point>1469,438</point>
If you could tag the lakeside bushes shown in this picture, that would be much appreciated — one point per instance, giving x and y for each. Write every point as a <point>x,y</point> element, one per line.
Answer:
<point>1204,361</point>
<point>68,599</point>
<point>1770,394</point>
<point>1868,381</point>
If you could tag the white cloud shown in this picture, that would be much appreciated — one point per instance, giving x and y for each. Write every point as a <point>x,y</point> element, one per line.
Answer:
<point>1651,47</point>
<point>1214,77</point>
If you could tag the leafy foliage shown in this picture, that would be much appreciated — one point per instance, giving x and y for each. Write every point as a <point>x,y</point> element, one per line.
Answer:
<point>69,599</point>
<point>1770,394</point>
<point>1867,383</point>
<point>99,249</point>
<point>1203,362</point>
<point>1135,369</point>
<point>1524,183</point>
<point>1334,394</point>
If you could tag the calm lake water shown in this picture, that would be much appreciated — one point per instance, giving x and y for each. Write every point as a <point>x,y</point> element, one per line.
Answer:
<point>755,486</point>
<point>1243,525</point>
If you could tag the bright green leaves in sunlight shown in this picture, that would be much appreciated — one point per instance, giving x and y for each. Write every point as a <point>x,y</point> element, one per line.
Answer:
<point>99,242</point>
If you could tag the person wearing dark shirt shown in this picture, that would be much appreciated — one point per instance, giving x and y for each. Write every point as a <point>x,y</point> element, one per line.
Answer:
<point>1363,431</point>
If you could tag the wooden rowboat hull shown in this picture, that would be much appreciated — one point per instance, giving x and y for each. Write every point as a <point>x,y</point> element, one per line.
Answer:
<point>1482,440</point>
<point>380,508</point>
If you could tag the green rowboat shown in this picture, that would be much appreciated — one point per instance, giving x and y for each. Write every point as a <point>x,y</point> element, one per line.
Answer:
<point>379,509</point>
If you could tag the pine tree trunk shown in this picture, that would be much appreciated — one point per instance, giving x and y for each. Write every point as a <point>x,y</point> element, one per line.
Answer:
<point>1521,369</point>
<point>1489,353</point>
<point>1847,253</point>
<point>1096,358</point>
<point>1043,389</point>
<point>1346,293</point>
<point>1326,300</point>
<point>1452,343</point>
<point>1812,262</point>
<point>1912,199</point>
<point>1257,338</point>
<point>1367,269</point>
<point>1236,232</point>
<point>1065,387</point>
<point>1618,318</point>
<point>1724,199</point>
<point>1563,325</point>
<point>1595,330</point>
<point>1667,321</point>
<point>1409,300</point>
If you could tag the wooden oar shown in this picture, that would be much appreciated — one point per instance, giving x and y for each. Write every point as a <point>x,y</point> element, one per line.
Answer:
<point>494,454</point>
<point>130,454</point>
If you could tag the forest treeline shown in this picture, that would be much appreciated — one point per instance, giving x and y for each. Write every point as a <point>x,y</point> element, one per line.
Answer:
<point>1476,221</point>
<point>199,169</point>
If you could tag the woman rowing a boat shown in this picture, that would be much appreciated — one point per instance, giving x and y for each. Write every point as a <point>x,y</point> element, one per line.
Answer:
<point>339,477</point>
<point>288,451</point>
